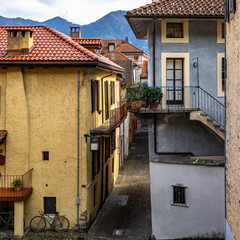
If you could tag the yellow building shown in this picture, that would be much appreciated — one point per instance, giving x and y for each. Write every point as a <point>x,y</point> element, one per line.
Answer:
<point>55,96</point>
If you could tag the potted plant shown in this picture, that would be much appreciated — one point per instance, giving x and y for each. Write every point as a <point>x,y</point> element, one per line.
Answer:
<point>154,97</point>
<point>134,96</point>
<point>17,184</point>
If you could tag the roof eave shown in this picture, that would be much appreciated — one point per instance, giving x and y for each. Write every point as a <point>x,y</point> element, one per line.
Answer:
<point>129,17</point>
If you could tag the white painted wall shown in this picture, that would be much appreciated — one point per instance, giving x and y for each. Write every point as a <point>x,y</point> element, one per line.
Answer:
<point>204,216</point>
<point>228,234</point>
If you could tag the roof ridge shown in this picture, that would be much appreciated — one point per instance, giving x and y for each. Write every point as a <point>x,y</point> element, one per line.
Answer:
<point>70,41</point>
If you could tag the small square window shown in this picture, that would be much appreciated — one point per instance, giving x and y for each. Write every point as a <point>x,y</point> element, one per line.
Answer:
<point>174,30</point>
<point>49,204</point>
<point>179,195</point>
<point>45,155</point>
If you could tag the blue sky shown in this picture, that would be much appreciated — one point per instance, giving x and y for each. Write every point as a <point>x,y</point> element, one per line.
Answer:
<point>77,11</point>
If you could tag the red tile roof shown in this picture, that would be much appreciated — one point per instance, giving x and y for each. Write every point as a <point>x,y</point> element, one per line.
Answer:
<point>52,47</point>
<point>3,134</point>
<point>188,8</point>
<point>88,41</point>
<point>116,56</point>
<point>121,46</point>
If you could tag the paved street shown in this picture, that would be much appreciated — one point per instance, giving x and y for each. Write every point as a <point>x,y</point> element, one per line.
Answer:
<point>131,219</point>
<point>126,214</point>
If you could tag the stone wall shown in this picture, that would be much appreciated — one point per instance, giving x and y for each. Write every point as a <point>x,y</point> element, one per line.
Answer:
<point>233,123</point>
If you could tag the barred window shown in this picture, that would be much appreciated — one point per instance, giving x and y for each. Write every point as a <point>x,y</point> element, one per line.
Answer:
<point>179,195</point>
<point>174,30</point>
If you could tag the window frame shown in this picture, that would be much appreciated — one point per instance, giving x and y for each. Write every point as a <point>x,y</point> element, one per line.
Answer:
<point>45,205</point>
<point>220,39</point>
<point>220,91</point>
<point>183,188</point>
<point>185,27</point>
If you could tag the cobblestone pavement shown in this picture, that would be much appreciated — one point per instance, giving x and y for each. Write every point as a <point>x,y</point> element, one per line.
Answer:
<point>126,215</point>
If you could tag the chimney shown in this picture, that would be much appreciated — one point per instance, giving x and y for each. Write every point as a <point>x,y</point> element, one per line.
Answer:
<point>126,39</point>
<point>75,32</point>
<point>20,41</point>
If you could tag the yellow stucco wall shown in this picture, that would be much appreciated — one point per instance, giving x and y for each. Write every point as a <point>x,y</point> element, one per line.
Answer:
<point>39,111</point>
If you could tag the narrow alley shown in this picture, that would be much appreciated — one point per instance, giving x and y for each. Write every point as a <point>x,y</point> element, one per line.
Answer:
<point>127,212</point>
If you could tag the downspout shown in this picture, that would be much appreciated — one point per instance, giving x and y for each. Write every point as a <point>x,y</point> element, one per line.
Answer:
<point>154,84</point>
<point>225,77</point>
<point>78,114</point>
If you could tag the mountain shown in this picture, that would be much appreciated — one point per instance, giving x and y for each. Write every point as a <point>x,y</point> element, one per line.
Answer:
<point>111,26</point>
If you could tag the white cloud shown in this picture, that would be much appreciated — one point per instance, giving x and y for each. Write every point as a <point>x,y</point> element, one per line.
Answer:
<point>78,11</point>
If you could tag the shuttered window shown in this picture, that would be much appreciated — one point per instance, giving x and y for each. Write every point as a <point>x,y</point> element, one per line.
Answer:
<point>49,204</point>
<point>106,101</point>
<point>98,95</point>
<point>93,95</point>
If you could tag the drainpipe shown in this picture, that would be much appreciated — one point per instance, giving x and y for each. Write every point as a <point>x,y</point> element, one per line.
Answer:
<point>78,114</point>
<point>154,83</point>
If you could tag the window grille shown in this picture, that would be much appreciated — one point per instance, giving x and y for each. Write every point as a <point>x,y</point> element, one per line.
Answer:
<point>49,204</point>
<point>179,195</point>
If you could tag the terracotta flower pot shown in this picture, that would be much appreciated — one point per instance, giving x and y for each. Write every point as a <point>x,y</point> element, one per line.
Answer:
<point>136,105</point>
<point>144,103</point>
<point>18,188</point>
<point>154,105</point>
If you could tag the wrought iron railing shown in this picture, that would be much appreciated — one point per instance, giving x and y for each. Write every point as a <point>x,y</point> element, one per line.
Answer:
<point>116,116</point>
<point>7,184</point>
<point>176,98</point>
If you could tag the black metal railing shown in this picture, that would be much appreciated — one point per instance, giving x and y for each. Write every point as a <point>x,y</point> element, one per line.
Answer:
<point>176,98</point>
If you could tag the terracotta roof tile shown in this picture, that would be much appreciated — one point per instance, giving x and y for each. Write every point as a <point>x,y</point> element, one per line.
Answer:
<point>121,46</point>
<point>197,8</point>
<point>88,41</point>
<point>116,56</point>
<point>52,47</point>
<point>3,134</point>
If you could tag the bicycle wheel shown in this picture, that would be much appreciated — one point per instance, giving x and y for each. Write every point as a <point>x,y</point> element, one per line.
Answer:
<point>61,223</point>
<point>38,224</point>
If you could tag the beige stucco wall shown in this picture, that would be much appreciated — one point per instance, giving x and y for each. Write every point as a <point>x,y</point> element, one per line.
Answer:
<point>39,111</point>
<point>233,123</point>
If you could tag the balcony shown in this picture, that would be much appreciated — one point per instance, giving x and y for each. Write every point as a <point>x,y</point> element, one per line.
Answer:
<point>175,99</point>
<point>7,191</point>
<point>116,117</point>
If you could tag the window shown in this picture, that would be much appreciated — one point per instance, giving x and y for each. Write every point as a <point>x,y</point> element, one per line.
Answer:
<point>94,166</point>
<point>106,101</point>
<point>98,95</point>
<point>179,195</point>
<point>113,141</point>
<point>111,47</point>
<point>113,165</point>
<point>94,195</point>
<point>112,88</point>
<point>49,204</point>
<point>175,31</point>
<point>220,31</point>
<point>45,156</point>
<point>107,148</point>
<point>221,74</point>
<point>93,95</point>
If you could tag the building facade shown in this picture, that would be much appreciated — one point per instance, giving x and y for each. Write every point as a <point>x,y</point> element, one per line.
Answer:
<point>186,130</point>
<point>56,97</point>
<point>232,116</point>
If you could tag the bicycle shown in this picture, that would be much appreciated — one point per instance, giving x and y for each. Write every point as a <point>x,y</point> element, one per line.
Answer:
<point>59,223</point>
<point>6,220</point>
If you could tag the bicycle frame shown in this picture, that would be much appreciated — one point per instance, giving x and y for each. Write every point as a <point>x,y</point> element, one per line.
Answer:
<point>46,217</point>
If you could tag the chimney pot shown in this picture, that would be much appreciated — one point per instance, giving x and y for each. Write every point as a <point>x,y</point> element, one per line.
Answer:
<point>20,41</point>
<point>126,39</point>
<point>75,32</point>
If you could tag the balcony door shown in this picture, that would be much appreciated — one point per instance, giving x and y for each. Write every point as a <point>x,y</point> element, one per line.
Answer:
<point>175,81</point>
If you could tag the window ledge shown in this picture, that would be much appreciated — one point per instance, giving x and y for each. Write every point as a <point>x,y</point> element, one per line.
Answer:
<point>179,205</point>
